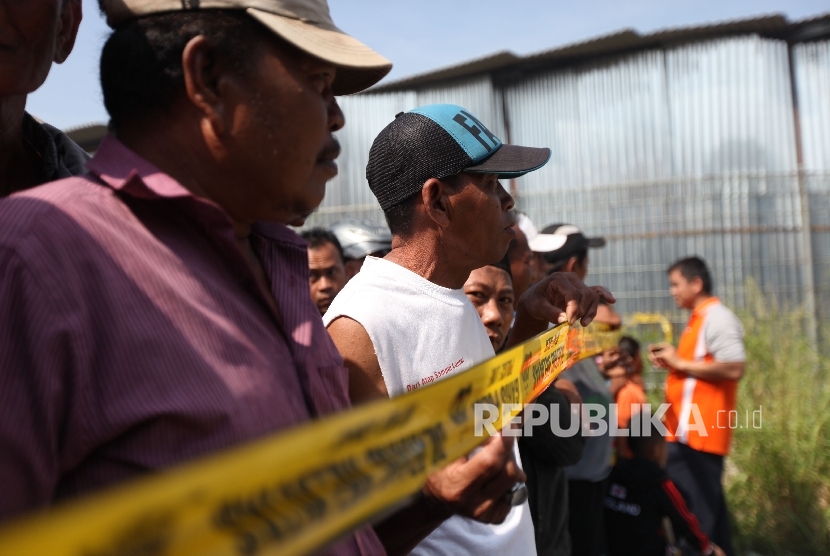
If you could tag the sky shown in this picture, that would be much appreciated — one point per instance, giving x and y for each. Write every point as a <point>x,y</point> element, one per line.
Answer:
<point>423,35</point>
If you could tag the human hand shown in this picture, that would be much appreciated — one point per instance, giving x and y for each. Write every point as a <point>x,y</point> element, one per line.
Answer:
<point>479,486</point>
<point>717,551</point>
<point>610,358</point>
<point>563,297</point>
<point>568,390</point>
<point>663,355</point>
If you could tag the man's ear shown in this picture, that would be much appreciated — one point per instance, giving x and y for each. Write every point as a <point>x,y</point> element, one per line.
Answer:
<point>697,284</point>
<point>570,266</point>
<point>436,201</point>
<point>70,20</point>
<point>209,85</point>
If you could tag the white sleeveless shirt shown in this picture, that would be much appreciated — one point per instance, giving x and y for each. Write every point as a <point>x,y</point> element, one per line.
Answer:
<point>421,333</point>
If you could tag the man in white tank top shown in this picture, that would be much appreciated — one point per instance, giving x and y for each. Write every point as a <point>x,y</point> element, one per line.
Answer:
<point>404,321</point>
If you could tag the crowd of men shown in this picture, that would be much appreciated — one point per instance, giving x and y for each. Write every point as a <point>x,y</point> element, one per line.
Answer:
<point>577,502</point>
<point>154,301</point>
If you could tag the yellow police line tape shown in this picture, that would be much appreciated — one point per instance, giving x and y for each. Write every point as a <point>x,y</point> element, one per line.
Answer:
<point>297,491</point>
<point>650,318</point>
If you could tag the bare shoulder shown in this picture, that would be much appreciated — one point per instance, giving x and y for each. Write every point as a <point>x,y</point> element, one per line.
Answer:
<point>358,353</point>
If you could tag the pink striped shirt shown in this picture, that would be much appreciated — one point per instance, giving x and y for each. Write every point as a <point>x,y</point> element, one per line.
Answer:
<point>133,335</point>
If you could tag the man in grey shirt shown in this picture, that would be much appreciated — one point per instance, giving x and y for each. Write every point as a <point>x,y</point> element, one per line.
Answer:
<point>565,249</point>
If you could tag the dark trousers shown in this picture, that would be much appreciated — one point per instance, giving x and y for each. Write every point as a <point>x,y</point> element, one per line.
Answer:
<point>697,476</point>
<point>586,522</point>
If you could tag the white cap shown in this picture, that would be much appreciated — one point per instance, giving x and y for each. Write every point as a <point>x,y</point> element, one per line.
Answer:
<point>542,243</point>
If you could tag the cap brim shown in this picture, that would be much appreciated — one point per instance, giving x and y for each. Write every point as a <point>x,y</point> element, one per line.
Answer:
<point>512,161</point>
<point>358,66</point>
<point>545,243</point>
<point>596,242</point>
<point>366,248</point>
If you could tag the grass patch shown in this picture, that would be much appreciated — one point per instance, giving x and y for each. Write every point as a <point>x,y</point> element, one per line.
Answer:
<point>778,483</point>
<point>777,477</point>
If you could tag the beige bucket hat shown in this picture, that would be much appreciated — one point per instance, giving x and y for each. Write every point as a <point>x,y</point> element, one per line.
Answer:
<point>306,24</point>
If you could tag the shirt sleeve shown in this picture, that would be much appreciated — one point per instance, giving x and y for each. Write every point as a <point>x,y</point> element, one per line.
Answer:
<point>724,336</point>
<point>683,521</point>
<point>33,353</point>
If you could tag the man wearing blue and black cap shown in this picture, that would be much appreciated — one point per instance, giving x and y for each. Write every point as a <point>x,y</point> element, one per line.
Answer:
<point>404,322</point>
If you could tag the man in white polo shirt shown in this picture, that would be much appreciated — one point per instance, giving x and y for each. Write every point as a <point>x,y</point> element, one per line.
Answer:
<point>435,171</point>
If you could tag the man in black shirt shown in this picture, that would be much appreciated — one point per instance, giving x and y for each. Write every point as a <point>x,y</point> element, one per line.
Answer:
<point>640,495</point>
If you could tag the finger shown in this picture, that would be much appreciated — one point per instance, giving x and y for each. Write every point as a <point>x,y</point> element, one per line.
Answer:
<point>561,288</point>
<point>590,305</point>
<point>493,511</point>
<point>548,311</point>
<point>488,496</point>
<point>587,300</point>
<point>604,294</point>
<point>572,311</point>
<point>491,459</point>
<point>502,483</point>
<point>501,511</point>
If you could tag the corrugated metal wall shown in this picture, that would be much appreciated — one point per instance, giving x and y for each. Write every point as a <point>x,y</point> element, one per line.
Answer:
<point>667,153</point>
<point>811,65</point>
<point>671,153</point>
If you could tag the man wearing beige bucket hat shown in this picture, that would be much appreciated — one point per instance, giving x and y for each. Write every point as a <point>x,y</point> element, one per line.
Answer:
<point>305,24</point>
<point>156,308</point>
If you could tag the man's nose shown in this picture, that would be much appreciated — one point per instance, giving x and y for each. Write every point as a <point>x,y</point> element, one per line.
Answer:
<point>491,314</point>
<point>325,283</point>
<point>507,201</point>
<point>336,117</point>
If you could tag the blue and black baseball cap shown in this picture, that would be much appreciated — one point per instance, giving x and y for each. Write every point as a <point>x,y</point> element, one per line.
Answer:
<point>437,141</point>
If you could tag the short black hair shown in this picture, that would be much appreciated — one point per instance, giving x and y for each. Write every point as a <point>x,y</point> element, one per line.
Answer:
<point>629,345</point>
<point>141,62</point>
<point>559,264</point>
<point>691,268</point>
<point>318,237</point>
<point>649,437</point>
<point>401,216</point>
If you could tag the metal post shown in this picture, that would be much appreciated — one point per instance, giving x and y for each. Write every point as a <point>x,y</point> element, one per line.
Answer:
<point>804,205</point>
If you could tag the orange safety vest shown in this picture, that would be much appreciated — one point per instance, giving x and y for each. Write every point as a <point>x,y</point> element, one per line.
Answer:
<point>713,400</point>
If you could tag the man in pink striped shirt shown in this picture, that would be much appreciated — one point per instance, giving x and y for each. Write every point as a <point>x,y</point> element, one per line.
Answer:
<point>148,315</point>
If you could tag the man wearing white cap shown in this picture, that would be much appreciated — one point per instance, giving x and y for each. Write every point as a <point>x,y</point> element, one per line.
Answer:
<point>562,247</point>
<point>360,239</point>
<point>156,308</point>
<point>565,249</point>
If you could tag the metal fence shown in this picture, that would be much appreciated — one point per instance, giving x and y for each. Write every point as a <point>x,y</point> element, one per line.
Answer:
<point>745,226</point>
<point>718,148</point>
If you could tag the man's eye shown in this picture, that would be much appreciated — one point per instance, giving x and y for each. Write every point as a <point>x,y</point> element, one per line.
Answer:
<point>321,81</point>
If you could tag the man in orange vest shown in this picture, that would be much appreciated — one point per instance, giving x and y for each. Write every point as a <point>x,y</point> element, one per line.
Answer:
<point>701,389</point>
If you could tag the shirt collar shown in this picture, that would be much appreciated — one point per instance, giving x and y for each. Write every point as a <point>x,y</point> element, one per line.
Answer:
<point>279,232</point>
<point>123,170</point>
<point>705,306</point>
